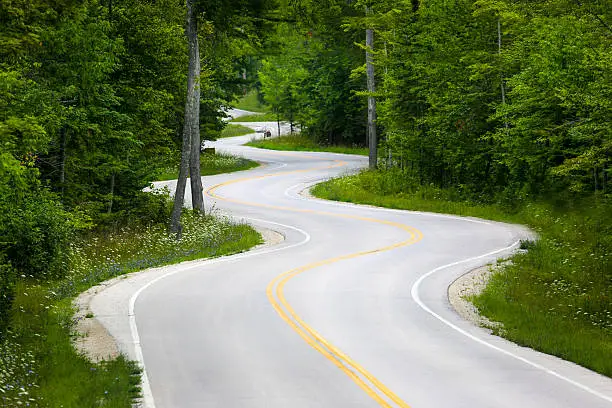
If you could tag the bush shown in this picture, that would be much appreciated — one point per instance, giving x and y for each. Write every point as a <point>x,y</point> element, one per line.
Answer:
<point>36,232</point>
<point>7,292</point>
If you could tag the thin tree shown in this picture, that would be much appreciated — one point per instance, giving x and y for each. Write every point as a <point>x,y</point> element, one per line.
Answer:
<point>372,141</point>
<point>191,128</point>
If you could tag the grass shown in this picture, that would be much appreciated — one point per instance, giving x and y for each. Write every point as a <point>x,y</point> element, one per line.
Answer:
<point>38,364</point>
<point>232,130</point>
<point>211,164</point>
<point>299,142</point>
<point>555,296</point>
<point>260,117</point>
<point>250,102</point>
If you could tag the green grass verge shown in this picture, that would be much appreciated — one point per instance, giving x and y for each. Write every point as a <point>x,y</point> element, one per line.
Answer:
<point>250,102</point>
<point>556,297</point>
<point>38,364</point>
<point>235,130</point>
<point>260,117</point>
<point>211,164</point>
<point>299,142</point>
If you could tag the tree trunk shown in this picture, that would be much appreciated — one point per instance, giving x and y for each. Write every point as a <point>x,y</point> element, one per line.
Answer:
<point>499,45</point>
<point>112,194</point>
<point>62,176</point>
<point>278,123</point>
<point>193,97</point>
<point>192,107</point>
<point>372,142</point>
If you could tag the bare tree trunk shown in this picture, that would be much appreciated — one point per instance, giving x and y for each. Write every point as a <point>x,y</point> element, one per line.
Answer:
<point>112,193</point>
<point>193,96</point>
<point>499,44</point>
<point>372,141</point>
<point>192,107</point>
<point>62,176</point>
<point>503,87</point>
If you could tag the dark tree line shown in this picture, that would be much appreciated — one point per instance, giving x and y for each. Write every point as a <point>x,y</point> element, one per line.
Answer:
<point>92,106</point>
<point>498,99</point>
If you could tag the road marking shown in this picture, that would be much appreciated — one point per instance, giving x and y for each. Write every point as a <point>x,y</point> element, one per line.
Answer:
<point>148,401</point>
<point>416,287</point>
<point>416,297</point>
<point>274,291</point>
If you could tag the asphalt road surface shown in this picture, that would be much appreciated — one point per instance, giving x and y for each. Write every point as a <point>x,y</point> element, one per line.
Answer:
<point>350,310</point>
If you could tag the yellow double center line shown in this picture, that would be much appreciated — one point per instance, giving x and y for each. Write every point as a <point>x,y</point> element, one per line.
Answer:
<point>364,379</point>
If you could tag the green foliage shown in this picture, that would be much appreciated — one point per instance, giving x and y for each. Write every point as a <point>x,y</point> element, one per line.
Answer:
<point>40,228</point>
<point>306,74</point>
<point>38,363</point>
<point>235,130</point>
<point>515,113</point>
<point>7,293</point>
<point>91,102</point>
<point>251,102</point>
<point>211,164</point>
<point>259,117</point>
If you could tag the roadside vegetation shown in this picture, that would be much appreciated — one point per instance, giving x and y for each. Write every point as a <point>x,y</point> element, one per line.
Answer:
<point>299,142</point>
<point>556,296</point>
<point>38,364</point>
<point>211,164</point>
<point>252,102</point>
<point>232,130</point>
<point>260,117</point>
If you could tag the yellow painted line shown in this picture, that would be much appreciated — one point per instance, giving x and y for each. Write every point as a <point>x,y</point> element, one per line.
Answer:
<point>288,314</point>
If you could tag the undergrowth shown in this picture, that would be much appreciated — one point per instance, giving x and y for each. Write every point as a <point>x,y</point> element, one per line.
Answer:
<point>211,164</point>
<point>231,130</point>
<point>39,367</point>
<point>257,117</point>
<point>251,102</point>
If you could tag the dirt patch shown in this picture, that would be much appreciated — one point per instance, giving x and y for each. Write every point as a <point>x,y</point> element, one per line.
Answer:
<point>92,339</point>
<point>468,285</point>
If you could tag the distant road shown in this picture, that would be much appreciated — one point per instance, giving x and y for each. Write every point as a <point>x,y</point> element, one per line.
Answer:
<point>350,310</point>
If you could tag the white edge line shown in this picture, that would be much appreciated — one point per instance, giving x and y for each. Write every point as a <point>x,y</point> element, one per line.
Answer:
<point>147,395</point>
<point>416,297</point>
<point>415,288</point>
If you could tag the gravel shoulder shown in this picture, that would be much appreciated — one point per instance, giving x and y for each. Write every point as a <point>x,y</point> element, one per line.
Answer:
<point>465,287</point>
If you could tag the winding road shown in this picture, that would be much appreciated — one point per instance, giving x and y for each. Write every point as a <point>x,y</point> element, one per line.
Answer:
<point>349,310</point>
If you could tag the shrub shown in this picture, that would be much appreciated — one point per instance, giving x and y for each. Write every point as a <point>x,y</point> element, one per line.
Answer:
<point>36,232</point>
<point>7,292</point>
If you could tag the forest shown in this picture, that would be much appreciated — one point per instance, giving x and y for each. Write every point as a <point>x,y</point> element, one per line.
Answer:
<point>493,102</point>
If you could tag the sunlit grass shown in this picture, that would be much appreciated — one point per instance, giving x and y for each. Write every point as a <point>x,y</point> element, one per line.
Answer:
<point>556,297</point>
<point>38,364</point>
<point>260,117</point>
<point>231,130</point>
<point>211,164</point>
<point>250,102</point>
<point>299,142</point>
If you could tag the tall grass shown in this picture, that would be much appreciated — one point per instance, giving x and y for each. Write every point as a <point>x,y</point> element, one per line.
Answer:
<point>211,164</point>
<point>557,296</point>
<point>297,142</point>
<point>231,130</point>
<point>259,117</point>
<point>38,364</point>
<point>250,102</point>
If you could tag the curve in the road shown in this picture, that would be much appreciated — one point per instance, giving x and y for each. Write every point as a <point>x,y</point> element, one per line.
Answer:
<point>364,379</point>
<point>274,283</point>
